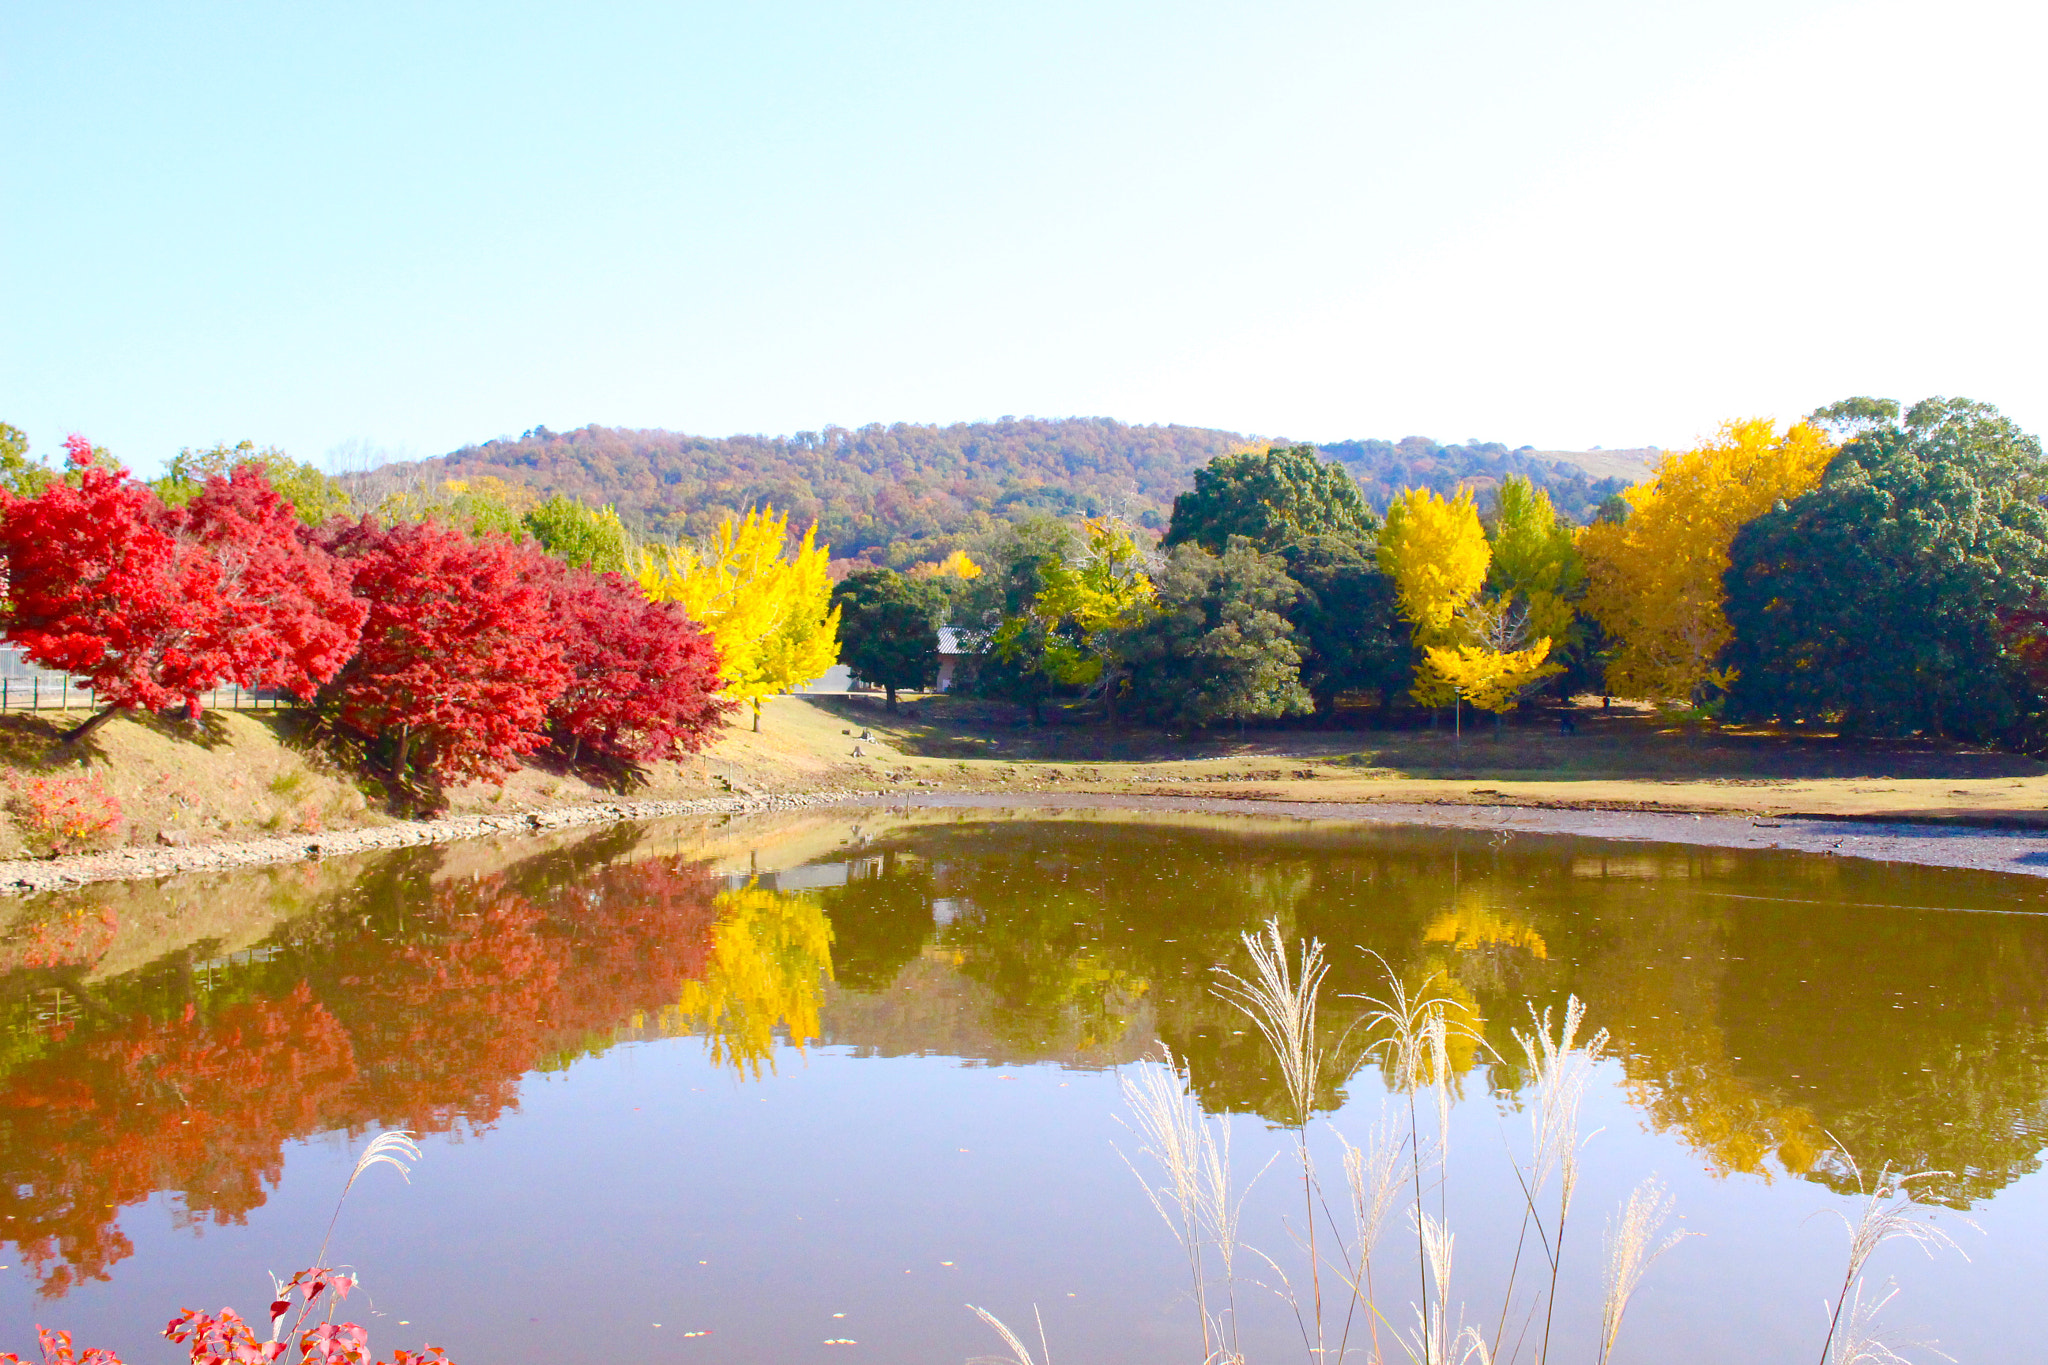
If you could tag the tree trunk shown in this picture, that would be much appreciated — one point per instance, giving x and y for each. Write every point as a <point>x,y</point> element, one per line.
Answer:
<point>757,715</point>
<point>404,750</point>
<point>88,725</point>
<point>575,747</point>
<point>891,693</point>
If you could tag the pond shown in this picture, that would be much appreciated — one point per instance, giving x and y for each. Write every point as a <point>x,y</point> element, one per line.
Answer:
<point>804,1087</point>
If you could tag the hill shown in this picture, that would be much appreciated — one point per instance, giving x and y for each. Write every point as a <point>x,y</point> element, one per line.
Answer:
<point>906,493</point>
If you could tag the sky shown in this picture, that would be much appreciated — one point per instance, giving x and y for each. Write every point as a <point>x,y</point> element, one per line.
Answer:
<point>353,230</point>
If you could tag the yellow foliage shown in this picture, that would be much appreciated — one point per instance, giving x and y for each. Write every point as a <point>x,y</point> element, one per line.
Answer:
<point>1109,591</point>
<point>1435,551</point>
<point>770,614</point>
<point>516,498</point>
<point>958,564</point>
<point>1534,560</point>
<point>771,953</point>
<point>1654,580</point>
<point>1488,679</point>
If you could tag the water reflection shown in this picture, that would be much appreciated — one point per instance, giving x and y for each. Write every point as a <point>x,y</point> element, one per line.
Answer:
<point>1758,1003</point>
<point>771,955</point>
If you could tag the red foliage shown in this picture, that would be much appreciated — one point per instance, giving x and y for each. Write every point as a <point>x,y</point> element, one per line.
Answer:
<point>643,675</point>
<point>153,606</point>
<point>292,620</point>
<point>57,1350</point>
<point>66,813</point>
<point>228,1339</point>
<point>459,657</point>
<point>97,588</point>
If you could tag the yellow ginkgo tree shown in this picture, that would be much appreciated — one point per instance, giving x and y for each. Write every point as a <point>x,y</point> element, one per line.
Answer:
<point>1654,577</point>
<point>1476,647</point>
<point>767,604</point>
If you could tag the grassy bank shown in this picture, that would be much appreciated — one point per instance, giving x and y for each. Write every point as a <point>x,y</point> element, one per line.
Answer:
<point>244,775</point>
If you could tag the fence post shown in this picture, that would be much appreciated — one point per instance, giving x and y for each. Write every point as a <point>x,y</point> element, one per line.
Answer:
<point>36,695</point>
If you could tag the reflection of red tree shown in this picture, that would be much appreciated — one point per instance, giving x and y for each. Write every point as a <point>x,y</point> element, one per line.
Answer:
<point>435,1031</point>
<point>201,1105</point>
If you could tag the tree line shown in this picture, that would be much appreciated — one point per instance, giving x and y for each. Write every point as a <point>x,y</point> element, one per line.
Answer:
<point>1872,568</point>
<point>441,637</point>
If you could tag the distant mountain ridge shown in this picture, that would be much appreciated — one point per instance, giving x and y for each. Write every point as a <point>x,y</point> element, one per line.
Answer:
<point>907,493</point>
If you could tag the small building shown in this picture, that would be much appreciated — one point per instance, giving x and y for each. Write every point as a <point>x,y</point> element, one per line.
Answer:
<point>952,649</point>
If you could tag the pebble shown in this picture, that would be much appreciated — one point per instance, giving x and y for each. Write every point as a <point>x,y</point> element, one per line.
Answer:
<point>25,876</point>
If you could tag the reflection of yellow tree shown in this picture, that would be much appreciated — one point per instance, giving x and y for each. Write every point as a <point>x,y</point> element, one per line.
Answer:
<point>1471,926</point>
<point>771,954</point>
<point>1682,1077</point>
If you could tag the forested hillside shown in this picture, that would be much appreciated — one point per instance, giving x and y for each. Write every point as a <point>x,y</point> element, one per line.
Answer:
<point>906,493</point>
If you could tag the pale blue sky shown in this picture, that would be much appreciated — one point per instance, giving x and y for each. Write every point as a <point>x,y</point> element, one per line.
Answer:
<point>1570,223</point>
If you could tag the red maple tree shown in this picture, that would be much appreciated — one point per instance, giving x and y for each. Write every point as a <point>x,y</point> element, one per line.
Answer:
<point>290,619</point>
<point>643,677</point>
<point>97,588</point>
<point>153,607</point>
<point>459,657</point>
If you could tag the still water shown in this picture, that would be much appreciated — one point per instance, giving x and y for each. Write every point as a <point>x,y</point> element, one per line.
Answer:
<point>802,1087</point>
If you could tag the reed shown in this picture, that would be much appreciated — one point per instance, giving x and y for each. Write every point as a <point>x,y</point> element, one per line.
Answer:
<point>1196,1201</point>
<point>1280,998</point>
<point>1887,1214</point>
<point>1632,1244</point>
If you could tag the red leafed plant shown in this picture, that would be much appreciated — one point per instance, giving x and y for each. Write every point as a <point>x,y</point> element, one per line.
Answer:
<point>459,657</point>
<point>292,619</point>
<point>643,676</point>
<point>67,813</point>
<point>57,1350</point>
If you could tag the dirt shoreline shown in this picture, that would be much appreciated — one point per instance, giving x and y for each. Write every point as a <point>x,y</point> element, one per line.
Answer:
<point>1945,844</point>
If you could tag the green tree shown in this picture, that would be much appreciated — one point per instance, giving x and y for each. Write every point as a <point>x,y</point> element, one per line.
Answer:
<point>1904,593</point>
<point>1269,496</point>
<point>19,474</point>
<point>1021,558</point>
<point>576,535</point>
<point>314,495</point>
<point>1219,647</point>
<point>888,629</point>
<point>1346,622</point>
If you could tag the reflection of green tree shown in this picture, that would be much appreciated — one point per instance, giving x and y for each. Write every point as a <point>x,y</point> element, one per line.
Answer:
<point>880,923</point>
<point>771,953</point>
<point>1758,1003</point>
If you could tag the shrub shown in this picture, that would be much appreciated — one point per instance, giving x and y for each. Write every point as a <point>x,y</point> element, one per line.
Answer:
<point>66,814</point>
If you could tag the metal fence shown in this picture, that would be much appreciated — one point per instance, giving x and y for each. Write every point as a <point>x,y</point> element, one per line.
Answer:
<point>24,687</point>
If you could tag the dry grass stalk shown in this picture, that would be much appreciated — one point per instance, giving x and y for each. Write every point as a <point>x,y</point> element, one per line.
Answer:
<point>1888,1214</point>
<point>1373,1175</point>
<point>1281,998</point>
<point>1560,1068</point>
<point>1631,1247</point>
<point>394,1149</point>
<point>1411,1041</point>
<point>1018,1354</point>
<point>1196,1202</point>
